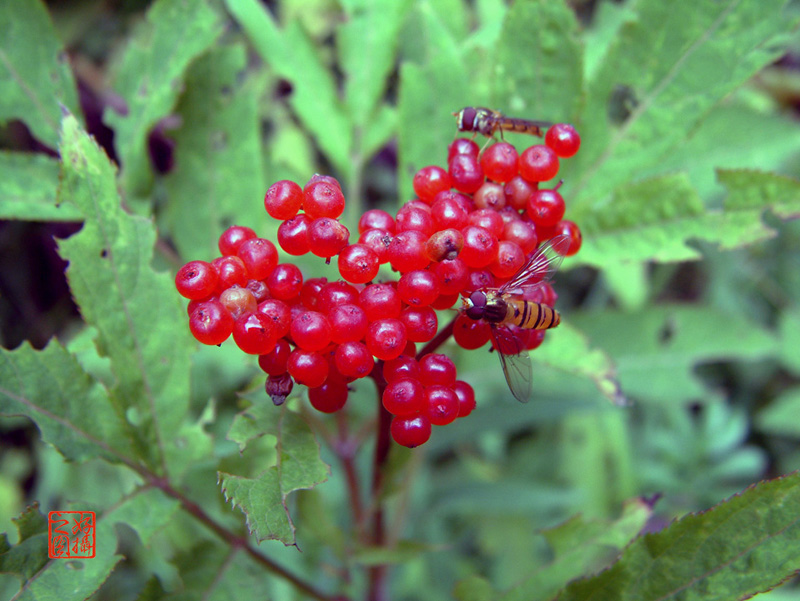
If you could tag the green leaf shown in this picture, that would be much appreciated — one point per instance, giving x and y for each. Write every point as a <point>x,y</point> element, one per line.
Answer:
<point>655,218</point>
<point>569,350</point>
<point>149,78</point>
<point>35,76</point>
<point>71,409</point>
<point>29,555</point>
<point>657,364</point>
<point>607,20</point>
<point>297,466</point>
<point>367,45</point>
<point>401,552</point>
<point>547,83</point>
<point>779,418</point>
<point>742,547</point>
<point>29,183</point>
<point>789,328</point>
<point>217,180</point>
<point>292,55</point>
<point>111,279</point>
<point>665,71</point>
<point>475,588</point>
<point>581,546</point>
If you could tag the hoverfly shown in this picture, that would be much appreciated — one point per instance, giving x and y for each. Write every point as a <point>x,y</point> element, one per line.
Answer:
<point>508,307</point>
<point>487,122</point>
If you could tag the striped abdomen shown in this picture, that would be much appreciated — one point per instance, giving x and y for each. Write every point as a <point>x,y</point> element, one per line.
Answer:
<point>521,125</point>
<point>531,315</point>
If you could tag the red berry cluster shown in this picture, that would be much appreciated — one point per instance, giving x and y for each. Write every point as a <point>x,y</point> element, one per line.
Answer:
<point>471,227</point>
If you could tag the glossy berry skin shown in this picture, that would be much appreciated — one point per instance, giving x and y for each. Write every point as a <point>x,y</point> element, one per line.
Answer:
<point>376,219</point>
<point>254,333</point>
<point>465,172</point>
<point>410,430</point>
<point>407,251</point>
<point>429,181</point>
<point>326,237</point>
<point>274,362</point>
<point>538,163</point>
<point>462,146</point>
<point>259,289</point>
<point>418,288</point>
<point>448,211</point>
<point>445,301</point>
<point>399,368</point>
<point>330,397</point>
<point>293,235</point>
<point>500,162</point>
<point>405,396</point>
<point>210,323</point>
<point>479,279</point>
<point>231,271</point>
<point>196,280</point>
<point>509,261</point>
<point>232,238</point>
<point>285,281</point>
<point>309,293</point>
<point>573,232</point>
<point>311,331</point>
<point>466,397</point>
<point>563,139</point>
<point>379,241</point>
<point>412,218</point>
<point>307,367</point>
<point>386,338</point>
<point>358,264</point>
<point>489,220</point>
<point>421,323</point>
<point>437,369</point>
<point>522,234</point>
<point>452,274</point>
<point>348,323</point>
<point>280,314</point>
<point>283,199</point>
<point>380,301</point>
<point>441,404</point>
<point>238,301</point>
<point>518,191</point>
<point>470,334</point>
<point>335,294</point>
<point>353,359</point>
<point>323,199</point>
<point>490,196</point>
<point>480,247</point>
<point>259,256</point>
<point>546,207</point>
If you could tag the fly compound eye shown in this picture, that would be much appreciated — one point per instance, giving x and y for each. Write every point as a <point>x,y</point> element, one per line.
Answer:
<point>468,118</point>
<point>477,305</point>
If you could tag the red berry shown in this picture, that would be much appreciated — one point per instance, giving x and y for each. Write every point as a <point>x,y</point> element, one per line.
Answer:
<point>238,301</point>
<point>449,210</point>
<point>196,280</point>
<point>353,359</point>
<point>399,368</point>
<point>429,181</point>
<point>469,333</point>
<point>323,199</point>
<point>445,244</point>
<point>480,247</point>
<point>285,281</point>
<point>441,405</point>
<point>259,289</point>
<point>317,177</point>
<point>410,430</point>
<point>466,397</point>
<point>490,196</point>
<point>274,362</point>
<point>309,293</point>
<point>453,275</point>
<point>378,241</point>
<point>419,288</point>
<point>437,369</point>
<point>231,271</point>
<point>210,323</point>
<point>421,323</point>
<point>260,257</point>
<point>572,232</point>
<point>411,218</point>
<point>307,367</point>
<point>563,139</point>
<point>335,294</point>
<point>283,199</point>
<point>293,235</point>
<point>489,220</point>
<point>348,322</point>
<point>326,237</point>
<point>465,172</point>
<point>328,398</point>
<point>407,251</point>
<point>462,146</point>
<point>500,162</point>
<point>386,338</point>
<point>509,261</point>
<point>254,333</point>
<point>538,163</point>
<point>445,301</point>
<point>546,207</point>
<point>358,263</point>
<point>405,396</point>
<point>518,191</point>
<point>232,238</point>
<point>280,314</point>
<point>311,331</point>
<point>376,219</point>
<point>479,279</point>
<point>279,387</point>
<point>521,233</point>
<point>380,301</point>
<point>534,339</point>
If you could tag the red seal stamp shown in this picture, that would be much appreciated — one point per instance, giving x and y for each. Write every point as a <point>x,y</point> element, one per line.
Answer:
<point>70,534</point>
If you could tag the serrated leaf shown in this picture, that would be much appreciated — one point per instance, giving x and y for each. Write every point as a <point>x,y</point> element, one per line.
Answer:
<point>655,350</point>
<point>214,572</point>
<point>741,547</point>
<point>29,183</point>
<point>217,180</point>
<point>750,189</point>
<point>298,465</point>
<point>292,55</point>
<point>367,45</point>
<point>667,68</point>
<point>112,280</point>
<point>72,410</point>
<point>547,83</point>
<point>35,75</point>
<point>569,350</point>
<point>149,79</point>
<point>30,553</point>
<point>581,546</point>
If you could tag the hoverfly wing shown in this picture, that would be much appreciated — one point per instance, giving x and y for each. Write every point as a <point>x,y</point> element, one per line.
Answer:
<point>515,361</point>
<point>540,267</point>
